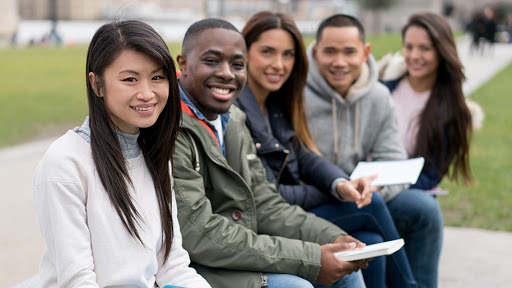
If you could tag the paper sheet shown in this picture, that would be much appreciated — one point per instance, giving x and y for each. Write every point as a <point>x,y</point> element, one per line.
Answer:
<point>390,172</point>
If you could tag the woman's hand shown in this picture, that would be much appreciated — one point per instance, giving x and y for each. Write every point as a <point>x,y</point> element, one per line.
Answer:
<point>358,191</point>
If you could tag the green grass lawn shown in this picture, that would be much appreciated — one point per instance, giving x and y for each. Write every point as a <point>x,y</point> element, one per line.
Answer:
<point>43,92</point>
<point>487,204</point>
<point>43,88</point>
<point>40,88</point>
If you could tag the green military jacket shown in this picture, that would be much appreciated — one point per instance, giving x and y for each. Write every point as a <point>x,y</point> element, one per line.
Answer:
<point>234,223</point>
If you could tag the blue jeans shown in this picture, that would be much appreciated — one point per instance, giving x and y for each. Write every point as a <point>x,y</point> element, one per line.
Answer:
<point>353,280</point>
<point>372,224</point>
<point>419,221</point>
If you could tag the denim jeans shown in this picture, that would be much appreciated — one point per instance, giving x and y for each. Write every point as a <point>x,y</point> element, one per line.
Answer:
<point>353,280</point>
<point>372,224</point>
<point>419,221</point>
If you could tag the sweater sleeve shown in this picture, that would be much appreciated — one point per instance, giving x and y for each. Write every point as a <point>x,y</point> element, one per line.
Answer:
<point>176,270</point>
<point>59,199</point>
<point>318,171</point>
<point>306,196</point>
<point>389,146</point>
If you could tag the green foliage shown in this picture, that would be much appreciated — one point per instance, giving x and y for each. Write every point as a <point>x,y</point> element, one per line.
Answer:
<point>488,203</point>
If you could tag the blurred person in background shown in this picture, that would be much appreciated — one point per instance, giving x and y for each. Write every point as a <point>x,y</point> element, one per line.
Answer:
<point>434,119</point>
<point>351,117</point>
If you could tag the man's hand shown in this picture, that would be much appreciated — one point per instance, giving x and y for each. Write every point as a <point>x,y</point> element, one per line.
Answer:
<point>349,239</point>
<point>333,269</point>
<point>359,190</point>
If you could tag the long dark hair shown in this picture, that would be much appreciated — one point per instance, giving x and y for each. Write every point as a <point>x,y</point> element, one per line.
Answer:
<point>156,142</point>
<point>446,111</point>
<point>293,88</point>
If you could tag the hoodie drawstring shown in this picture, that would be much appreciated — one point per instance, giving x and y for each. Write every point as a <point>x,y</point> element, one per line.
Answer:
<point>356,130</point>
<point>337,132</point>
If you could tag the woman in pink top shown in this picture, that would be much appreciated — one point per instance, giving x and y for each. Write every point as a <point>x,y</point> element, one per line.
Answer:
<point>433,116</point>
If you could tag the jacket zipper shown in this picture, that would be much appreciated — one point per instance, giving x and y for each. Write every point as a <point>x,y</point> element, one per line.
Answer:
<point>254,222</point>
<point>264,282</point>
<point>282,166</point>
<point>197,167</point>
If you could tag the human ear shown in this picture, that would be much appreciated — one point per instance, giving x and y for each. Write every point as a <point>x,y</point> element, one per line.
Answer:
<point>92,81</point>
<point>366,50</point>
<point>315,46</point>
<point>182,63</point>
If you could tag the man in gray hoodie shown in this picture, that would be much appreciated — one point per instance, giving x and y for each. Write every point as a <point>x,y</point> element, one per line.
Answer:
<point>351,119</point>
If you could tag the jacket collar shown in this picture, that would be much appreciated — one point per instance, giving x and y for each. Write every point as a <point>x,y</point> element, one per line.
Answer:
<point>225,117</point>
<point>258,126</point>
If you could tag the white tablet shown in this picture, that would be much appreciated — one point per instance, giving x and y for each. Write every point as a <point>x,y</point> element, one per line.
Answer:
<point>370,251</point>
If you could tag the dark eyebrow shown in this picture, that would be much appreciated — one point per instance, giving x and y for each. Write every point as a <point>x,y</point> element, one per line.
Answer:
<point>220,54</point>
<point>214,52</point>
<point>267,47</point>
<point>129,71</point>
<point>137,73</point>
<point>160,69</point>
<point>239,56</point>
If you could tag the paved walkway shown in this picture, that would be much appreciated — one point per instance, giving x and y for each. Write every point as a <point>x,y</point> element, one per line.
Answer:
<point>470,257</point>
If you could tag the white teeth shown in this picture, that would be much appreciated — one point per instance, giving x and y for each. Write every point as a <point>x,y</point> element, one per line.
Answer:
<point>220,90</point>
<point>143,108</point>
<point>274,77</point>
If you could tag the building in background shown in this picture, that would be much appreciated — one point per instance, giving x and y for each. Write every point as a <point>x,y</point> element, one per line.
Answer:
<point>9,21</point>
<point>306,12</point>
<point>180,10</point>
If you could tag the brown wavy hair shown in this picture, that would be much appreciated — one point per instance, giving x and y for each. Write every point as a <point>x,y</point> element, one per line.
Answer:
<point>293,88</point>
<point>445,126</point>
<point>156,142</point>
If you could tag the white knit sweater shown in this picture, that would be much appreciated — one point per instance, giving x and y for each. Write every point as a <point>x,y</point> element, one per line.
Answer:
<point>86,244</point>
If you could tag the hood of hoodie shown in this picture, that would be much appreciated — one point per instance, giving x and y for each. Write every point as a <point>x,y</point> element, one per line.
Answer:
<point>365,81</point>
<point>391,67</point>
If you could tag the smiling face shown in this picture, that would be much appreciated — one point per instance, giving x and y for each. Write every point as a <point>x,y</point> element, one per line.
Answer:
<point>270,61</point>
<point>135,90</point>
<point>213,71</point>
<point>339,55</point>
<point>421,57</point>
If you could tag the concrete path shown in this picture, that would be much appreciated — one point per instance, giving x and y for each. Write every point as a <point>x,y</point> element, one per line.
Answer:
<point>470,257</point>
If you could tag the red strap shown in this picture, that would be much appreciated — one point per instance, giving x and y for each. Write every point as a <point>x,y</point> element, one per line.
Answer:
<point>187,110</point>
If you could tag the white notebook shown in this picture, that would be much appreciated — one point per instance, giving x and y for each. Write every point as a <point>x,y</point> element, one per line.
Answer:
<point>390,172</point>
<point>370,251</point>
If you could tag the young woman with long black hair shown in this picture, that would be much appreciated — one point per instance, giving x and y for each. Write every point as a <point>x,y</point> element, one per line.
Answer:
<point>103,191</point>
